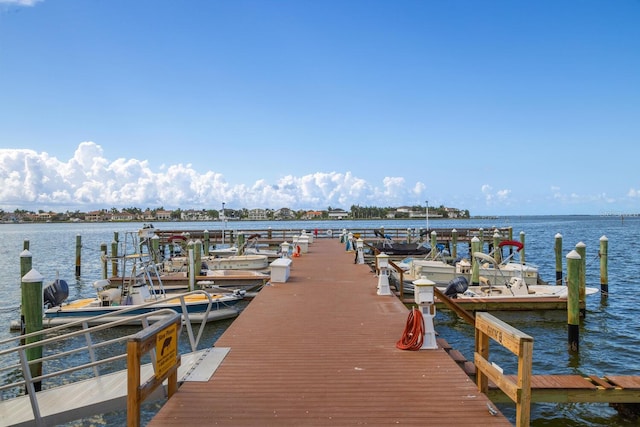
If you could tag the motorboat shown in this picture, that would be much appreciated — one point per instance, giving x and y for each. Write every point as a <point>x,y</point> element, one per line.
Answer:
<point>393,248</point>
<point>233,262</point>
<point>133,299</point>
<point>459,288</point>
<point>441,270</point>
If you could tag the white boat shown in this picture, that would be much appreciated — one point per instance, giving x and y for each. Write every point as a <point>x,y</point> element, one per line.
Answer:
<point>234,262</point>
<point>516,287</point>
<point>442,272</point>
<point>134,299</point>
<point>496,280</point>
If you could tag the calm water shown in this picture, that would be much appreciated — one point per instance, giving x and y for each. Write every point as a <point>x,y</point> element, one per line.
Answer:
<point>608,340</point>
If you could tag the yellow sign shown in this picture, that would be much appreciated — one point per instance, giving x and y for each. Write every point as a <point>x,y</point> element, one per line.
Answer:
<point>166,349</point>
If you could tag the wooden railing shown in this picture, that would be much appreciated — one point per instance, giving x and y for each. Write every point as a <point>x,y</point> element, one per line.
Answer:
<point>161,339</point>
<point>520,344</point>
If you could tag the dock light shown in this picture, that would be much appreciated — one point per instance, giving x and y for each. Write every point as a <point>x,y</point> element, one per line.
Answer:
<point>423,292</point>
<point>383,278</point>
<point>285,249</point>
<point>360,250</point>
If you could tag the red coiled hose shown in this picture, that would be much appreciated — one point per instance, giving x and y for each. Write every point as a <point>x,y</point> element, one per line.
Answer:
<point>413,334</point>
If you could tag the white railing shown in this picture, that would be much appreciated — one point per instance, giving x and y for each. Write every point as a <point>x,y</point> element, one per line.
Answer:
<point>78,350</point>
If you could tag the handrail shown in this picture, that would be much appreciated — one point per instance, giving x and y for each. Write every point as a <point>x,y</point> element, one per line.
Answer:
<point>520,344</point>
<point>84,356</point>
<point>161,337</point>
<point>82,323</point>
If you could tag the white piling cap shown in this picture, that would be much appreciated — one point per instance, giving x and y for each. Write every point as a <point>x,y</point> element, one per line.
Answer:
<point>604,238</point>
<point>25,253</point>
<point>573,255</point>
<point>32,277</point>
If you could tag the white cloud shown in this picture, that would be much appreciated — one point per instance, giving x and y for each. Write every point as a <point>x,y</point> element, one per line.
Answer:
<point>88,180</point>
<point>21,2</point>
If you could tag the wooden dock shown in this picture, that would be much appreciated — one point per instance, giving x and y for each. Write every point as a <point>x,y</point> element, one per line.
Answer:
<point>320,349</point>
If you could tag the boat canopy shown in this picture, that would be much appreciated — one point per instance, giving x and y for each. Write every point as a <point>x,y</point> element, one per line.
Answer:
<point>484,257</point>
<point>515,243</point>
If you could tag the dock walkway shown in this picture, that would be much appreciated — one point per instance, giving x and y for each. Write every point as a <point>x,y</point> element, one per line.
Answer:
<point>320,350</point>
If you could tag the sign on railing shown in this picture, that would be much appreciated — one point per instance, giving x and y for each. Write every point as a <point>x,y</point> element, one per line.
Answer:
<point>162,337</point>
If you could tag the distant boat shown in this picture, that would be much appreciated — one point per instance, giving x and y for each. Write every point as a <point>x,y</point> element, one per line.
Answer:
<point>233,262</point>
<point>393,248</point>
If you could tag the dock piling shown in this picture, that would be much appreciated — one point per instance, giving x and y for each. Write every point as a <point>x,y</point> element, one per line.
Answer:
<point>78,254</point>
<point>574,265</point>
<point>558,252</point>
<point>581,248</point>
<point>32,301</point>
<point>604,275</point>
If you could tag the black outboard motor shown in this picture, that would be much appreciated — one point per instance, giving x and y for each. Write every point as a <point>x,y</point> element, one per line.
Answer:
<point>56,293</point>
<point>203,268</point>
<point>457,286</point>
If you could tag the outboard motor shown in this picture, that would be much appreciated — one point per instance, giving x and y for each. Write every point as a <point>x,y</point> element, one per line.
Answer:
<point>457,286</point>
<point>56,293</point>
<point>203,268</point>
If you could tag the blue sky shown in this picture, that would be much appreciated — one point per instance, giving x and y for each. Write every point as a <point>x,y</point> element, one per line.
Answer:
<point>499,107</point>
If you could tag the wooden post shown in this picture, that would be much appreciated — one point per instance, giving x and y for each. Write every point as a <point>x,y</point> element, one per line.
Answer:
<point>519,391</point>
<point>497,253</point>
<point>155,249</point>
<point>197,254</point>
<point>25,245</point>
<point>103,253</point>
<point>206,244</point>
<point>581,248</point>
<point>191,273</point>
<point>114,258</point>
<point>522,258</point>
<point>475,269</point>
<point>604,275</point>
<point>558,251</point>
<point>32,302</point>
<point>26,262</point>
<point>434,242</point>
<point>160,338</point>
<point>481,240</point>
<point>574,265</point>
<point>269,233</point>
<point>454,243</point>
<point>78,254</point>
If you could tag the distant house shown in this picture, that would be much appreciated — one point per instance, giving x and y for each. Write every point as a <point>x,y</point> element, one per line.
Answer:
<point>94,216</point>
<point>163,215</point>
<point>122,216</point>
<point>313,214</point>
<point>257,215</point>
<point>284,214</point>
<point>338,214</point>
<point>194,215</point>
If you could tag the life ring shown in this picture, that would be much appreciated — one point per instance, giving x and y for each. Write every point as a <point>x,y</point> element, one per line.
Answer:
<point>329,232</point>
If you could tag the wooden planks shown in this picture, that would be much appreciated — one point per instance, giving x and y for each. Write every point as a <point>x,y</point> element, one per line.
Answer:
<point>320,349</point>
